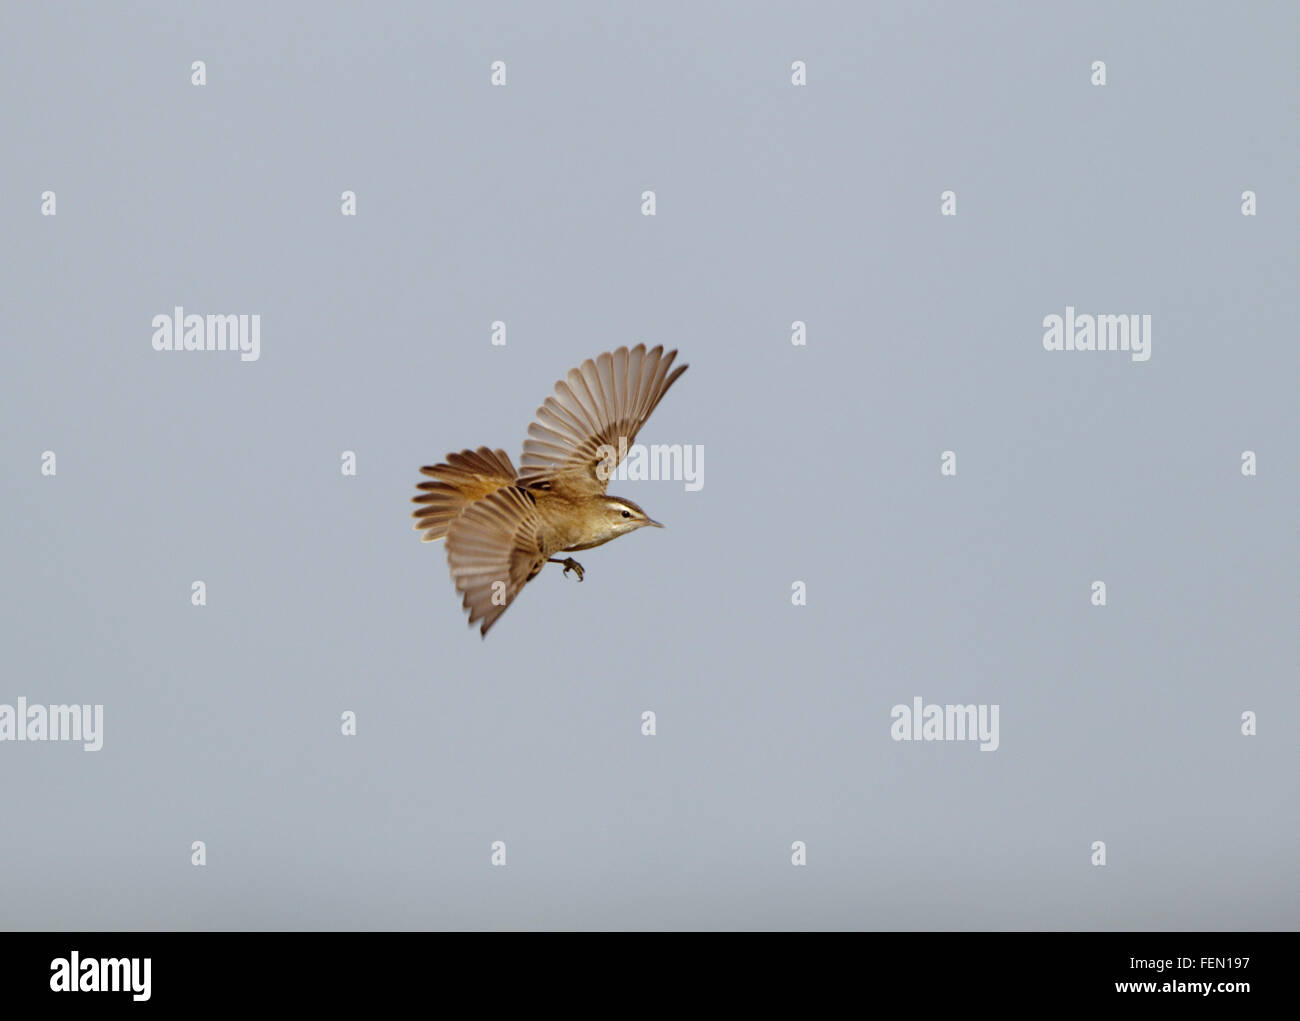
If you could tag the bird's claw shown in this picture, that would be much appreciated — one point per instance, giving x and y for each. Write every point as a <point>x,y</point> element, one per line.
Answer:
<point>571,565</point>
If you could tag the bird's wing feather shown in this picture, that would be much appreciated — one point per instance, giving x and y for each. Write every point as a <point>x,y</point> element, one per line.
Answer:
<point>462,479</point>
<point>603,400</point>
<point>494,548</point>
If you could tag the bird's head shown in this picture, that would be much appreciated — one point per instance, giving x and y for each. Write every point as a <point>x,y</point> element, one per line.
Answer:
<point>622,516</point>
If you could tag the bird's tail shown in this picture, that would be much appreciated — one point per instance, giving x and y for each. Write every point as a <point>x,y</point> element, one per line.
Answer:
<point>462,479</point>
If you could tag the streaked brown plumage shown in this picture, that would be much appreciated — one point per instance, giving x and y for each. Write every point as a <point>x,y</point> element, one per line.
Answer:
<point>503,526</point>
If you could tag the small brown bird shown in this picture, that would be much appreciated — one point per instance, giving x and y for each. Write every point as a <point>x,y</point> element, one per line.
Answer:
<point>502,526</point>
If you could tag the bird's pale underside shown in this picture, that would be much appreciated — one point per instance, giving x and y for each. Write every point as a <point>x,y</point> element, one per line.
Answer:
<point>501,525</point>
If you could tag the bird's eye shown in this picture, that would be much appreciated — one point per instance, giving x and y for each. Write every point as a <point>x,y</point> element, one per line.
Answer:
<point>627,514</point>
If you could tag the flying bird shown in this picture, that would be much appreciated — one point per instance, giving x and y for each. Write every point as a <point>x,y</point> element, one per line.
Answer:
<point>502,527</point>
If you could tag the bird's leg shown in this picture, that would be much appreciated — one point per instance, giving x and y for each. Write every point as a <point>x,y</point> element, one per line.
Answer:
<point>569,565</point>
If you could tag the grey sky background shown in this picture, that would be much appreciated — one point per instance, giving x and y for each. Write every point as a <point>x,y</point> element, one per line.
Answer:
<point>775,203</point>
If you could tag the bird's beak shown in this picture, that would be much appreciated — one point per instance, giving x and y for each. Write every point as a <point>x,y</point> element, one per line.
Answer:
<point>652,521</point>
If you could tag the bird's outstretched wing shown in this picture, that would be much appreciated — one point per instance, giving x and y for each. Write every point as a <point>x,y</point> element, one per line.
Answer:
<point>603,400</point>
<point>494,548</point>
<point>462,479</point>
